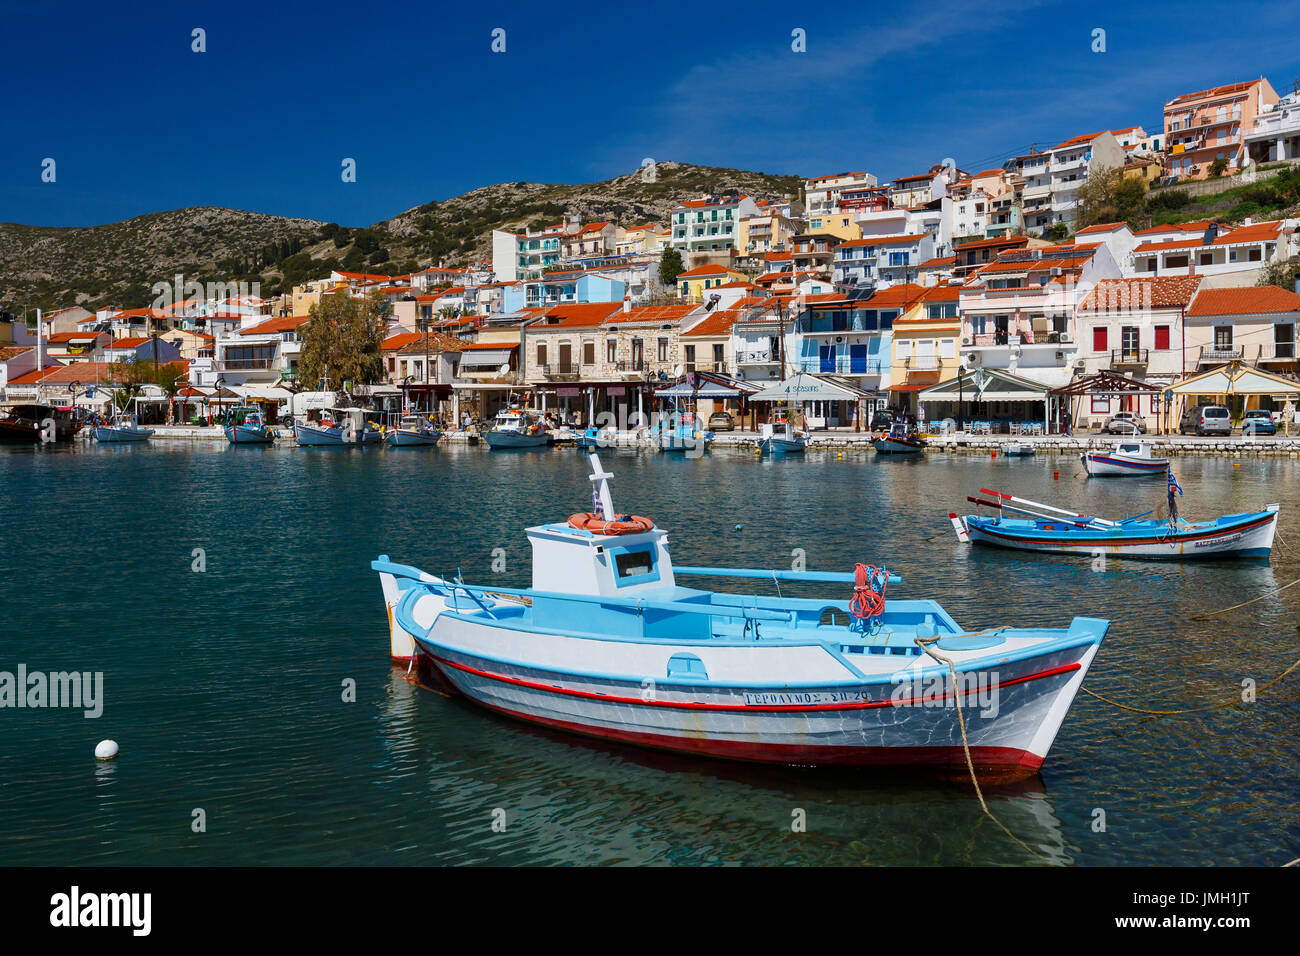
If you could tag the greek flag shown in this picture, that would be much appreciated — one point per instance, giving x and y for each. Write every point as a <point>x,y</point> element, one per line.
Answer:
<point>1173,485</point>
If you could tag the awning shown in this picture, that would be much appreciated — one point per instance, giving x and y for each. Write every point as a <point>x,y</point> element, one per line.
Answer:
<point>1236,379</point>
<point>268,392</point>
<point>485,359</point>
<point>986,385</point>
<point>706,389</point>
<point>805,387</point>
<point>915,387</point>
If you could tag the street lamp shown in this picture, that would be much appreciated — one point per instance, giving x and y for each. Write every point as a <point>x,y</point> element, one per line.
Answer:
<point>220,383</point>
<point>961,396</point>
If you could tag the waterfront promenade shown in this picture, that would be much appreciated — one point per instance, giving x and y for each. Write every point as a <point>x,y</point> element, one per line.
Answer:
<point>1232,447</point>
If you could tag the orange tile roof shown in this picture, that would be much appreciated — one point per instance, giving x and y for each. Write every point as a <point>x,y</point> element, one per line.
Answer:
<point>715,323</point>
<point>13,351</point>
<point>283,324</point>
<point>584,315</point>
<point>938,262</point>
<point>1249,300</point>
<point>129,343</point>
<point>1141,293</point>
<point>399,341</point>
<point>85,372</point>
<point>898,296</point>
<point>1078,140</point>
<point>652,313</point>
<point>1213,91</point>
<point>1101,227</point>
<point>707,270</point>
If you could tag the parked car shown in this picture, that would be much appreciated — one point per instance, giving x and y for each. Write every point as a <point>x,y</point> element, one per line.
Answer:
<point>1125,423</point>
<point>1206,420</point>
<point>721,422</point>
<point>884,419</point>
<point>1258,421</point>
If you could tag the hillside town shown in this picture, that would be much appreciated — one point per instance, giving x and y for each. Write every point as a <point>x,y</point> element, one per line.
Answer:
<point>944,293</point>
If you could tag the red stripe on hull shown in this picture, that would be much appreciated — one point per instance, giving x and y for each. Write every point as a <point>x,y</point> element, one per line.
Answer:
<point>1001,760</point>
<point>744,708</point>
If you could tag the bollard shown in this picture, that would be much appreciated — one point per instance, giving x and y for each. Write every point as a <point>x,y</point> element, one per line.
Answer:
<point>1056,475</point>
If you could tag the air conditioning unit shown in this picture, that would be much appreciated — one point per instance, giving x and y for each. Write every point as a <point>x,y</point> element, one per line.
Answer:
<point>1080,364</point>
<point>967,340</point>
<point>1065,338</point>
<point>973,358</point>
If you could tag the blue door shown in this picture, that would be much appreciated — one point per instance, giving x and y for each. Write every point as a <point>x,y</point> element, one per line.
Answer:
<point>858,359</point>
<point>827,358</point>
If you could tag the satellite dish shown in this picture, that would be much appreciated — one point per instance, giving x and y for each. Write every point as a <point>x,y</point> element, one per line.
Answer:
<point>504,369</point>
<point>677,371</point>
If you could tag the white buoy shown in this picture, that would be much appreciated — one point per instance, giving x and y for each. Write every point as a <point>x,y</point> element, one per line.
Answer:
<point>106,750</point>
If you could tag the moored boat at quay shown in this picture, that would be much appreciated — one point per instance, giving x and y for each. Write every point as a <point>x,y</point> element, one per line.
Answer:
<point>33,422</point>
<point>247,426</point>
<point>899,440</point>
<point>411,431</point>
<point>514,427</point>
<point>123,428</point>
<point>1129,458</point>
<point>340,426</point>
<point>1045,528</point>
<point>606,643</point>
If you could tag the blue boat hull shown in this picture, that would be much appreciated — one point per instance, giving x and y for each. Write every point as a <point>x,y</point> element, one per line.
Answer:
<point>248,435</point>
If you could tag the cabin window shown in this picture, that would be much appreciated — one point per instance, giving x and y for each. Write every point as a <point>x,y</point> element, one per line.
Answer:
<point>633,565</point>
<point>687,666</point>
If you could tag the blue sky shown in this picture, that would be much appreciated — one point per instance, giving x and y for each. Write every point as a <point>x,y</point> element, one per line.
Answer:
<point>136,122</point>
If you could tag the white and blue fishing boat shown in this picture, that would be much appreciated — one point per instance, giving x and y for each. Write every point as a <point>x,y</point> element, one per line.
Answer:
<point>339,426</point>
<point>1128,458</point>
<point>516,428</point>
<point>1019,449</point>
<point>121,428</point>
<point>680,431</point>
<point>412,430</point>
<point>780,438</point>
<point>607,643</point>
<point>1044,528</point>
<point>248,427</point>
<point>899,440</point>
<point>597,437</point>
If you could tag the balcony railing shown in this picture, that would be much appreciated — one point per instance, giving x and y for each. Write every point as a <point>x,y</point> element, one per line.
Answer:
<point>841,365</point>
<point>921,363</point>
<point>1129,356</point>
<point>1220,353</point>
<point>242,365</point>
<point>754,358</point>
<point>635,365</point>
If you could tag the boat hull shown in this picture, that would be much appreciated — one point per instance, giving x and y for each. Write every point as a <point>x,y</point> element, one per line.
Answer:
<point>1238,536</point>
<point>405,437</point>
<point>507,439</point>
<point>783,446</point>
<point>313,436</point>
<point>894,446</point>
<point>1108,464</point>
<point>249,435</point>
<point>109,433</point>
<point>867,725</point>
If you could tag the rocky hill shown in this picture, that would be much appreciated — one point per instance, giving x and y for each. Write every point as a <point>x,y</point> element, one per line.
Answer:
<point>118,263</point>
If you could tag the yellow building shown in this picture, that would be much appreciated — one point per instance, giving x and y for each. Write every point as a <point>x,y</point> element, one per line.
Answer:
<point>692,286</point>
<point>839,224</point>
<point>926,344</point>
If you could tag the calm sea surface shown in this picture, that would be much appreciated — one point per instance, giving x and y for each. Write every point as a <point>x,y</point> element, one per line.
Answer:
<point>225,687</point>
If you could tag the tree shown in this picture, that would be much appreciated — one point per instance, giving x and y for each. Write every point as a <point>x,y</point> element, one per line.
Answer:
<point>130,376</point>
<point>670,267</point>
<point>1282,274</point>
<point>342,339</point>
<point>1107,195</point>
<point>1218,166</point>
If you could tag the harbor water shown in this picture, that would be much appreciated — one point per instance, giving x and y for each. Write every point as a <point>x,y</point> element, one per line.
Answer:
<point>225,596</point>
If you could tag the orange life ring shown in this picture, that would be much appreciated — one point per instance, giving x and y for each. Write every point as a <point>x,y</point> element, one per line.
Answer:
<point>623,524</point>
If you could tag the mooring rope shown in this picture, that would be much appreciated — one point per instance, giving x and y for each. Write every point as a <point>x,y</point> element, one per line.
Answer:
<point>1205,614</point>
<point>1190,710</point>
<point>924,644</point>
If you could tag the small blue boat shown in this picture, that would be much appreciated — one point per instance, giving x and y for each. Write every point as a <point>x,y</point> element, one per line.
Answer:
<point>516,428</point>
<point>780,438</point>
<point>1052,530</point>
<point>248,427</point>
<point>343,427</point>
<point>596,437</point>
<point>608,643</point>
<point>411,431</point>
<point>680,431</point>
<point>123,428</point>
<point>899,440</point>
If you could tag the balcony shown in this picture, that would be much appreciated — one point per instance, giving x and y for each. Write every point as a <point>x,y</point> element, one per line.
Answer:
<point>921,363</point>
<point>842,365</point>
<point>1131,357</point>
<point>754,358</point>
<point>561,371</point>
<point>1220,353</point>
<point>243,365</point>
